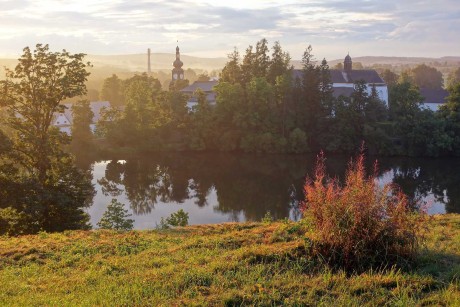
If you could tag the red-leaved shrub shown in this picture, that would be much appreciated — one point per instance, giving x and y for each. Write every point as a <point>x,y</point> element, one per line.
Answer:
<point>359,224</point>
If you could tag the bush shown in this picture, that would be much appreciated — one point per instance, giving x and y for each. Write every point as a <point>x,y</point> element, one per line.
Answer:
<point>298,141</point>
<point>116,217</point>
<point>12,222</point>
<point>179,218</point>
<point>359,225</point>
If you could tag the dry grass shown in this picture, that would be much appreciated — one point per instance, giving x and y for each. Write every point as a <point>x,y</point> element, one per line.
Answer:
<point>229,264</point>
<point>360,225</point>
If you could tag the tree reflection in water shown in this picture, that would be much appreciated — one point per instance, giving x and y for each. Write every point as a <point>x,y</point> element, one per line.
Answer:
<point>255,184</point>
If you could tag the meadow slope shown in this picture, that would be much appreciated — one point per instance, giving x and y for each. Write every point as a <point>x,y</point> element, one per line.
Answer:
<point>228,264</point>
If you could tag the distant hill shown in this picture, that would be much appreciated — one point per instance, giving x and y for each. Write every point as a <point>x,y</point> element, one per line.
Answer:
<point>106,65</point>
<point>159,61</point>
<point>163,61</point>
<point>128,64</point>
<point>395,61</point>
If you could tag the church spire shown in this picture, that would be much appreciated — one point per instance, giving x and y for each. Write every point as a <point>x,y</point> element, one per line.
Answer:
<point>348,63</point>
<point>177,72</point>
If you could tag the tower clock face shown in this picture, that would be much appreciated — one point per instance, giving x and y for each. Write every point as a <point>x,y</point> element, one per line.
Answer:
<point>175,76</point>
<point>182,76</point>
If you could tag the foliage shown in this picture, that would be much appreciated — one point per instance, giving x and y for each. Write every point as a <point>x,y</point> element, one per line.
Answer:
<point>427,77</point>
<point>37,177</point>
<point>390,77</point>
<point>32,93</point>
<point>453,78</point>
<point>5,144</point>
<point>137,125</point>
<point>112,91</point>
<point>116,217</point>
<point>451,109</point>
<point>268,218</point>
<point>12,222</point>
<point>360,225</point>
<point>178,84</point>
<point>176,219</point>
<point>298,141</point>
<point>262,105</point>
<point>82,136</point>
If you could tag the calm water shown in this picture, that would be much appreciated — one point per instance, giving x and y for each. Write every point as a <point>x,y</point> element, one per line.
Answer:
<point>215,188</point>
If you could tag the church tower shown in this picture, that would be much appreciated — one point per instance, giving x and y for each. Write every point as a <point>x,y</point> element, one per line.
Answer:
<point>347,64</point>
<point>177,72</point>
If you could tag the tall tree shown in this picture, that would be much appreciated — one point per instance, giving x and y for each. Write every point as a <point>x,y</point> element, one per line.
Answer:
<point>325,87</point>
<point>82,136</point>
<point>247,66</point>
<point>389,77</point>
<point>152,83</point>
<point>32,93</point>
<point>40,179</point>
<point>202,126</point>
<point>427,77</point>
<point>404,100</point>
<point>451,109</point>
<point>232,72</point>
<point>451,113</point>
<point>279,63</point>
<point>261,59</point>
<point>112,91</point>
<point>453,78</point>
<point>311,90</point>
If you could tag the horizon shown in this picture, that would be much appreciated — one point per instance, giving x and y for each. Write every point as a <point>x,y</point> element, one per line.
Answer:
<point>211,30</point>
<point>317,58</point>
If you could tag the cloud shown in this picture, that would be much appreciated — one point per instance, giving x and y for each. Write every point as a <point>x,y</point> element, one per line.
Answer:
<point>209,27</point>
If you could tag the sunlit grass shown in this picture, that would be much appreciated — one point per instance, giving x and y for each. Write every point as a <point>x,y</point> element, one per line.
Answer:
<point>233,264</point>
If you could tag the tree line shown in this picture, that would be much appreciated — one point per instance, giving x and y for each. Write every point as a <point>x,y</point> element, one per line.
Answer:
<point>262,106</point>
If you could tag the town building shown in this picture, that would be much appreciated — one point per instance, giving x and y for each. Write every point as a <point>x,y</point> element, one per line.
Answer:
<point>63,120</point>
<point>343,80</point>
<point>433,98</point>
<point>206,87</point>
<point>177,71</point>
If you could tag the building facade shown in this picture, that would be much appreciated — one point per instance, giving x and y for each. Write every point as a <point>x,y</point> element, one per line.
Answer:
<point>206,87</point>
<point>63,120</point>
<point>343,80</point>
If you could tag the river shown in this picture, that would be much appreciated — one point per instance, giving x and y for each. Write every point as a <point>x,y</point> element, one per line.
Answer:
<point>215,188</point>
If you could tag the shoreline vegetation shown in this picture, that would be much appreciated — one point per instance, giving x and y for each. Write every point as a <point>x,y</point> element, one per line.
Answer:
<point>227,264</point>
<point>262,105</point>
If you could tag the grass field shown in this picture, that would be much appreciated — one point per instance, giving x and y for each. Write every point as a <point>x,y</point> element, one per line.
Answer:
<point>229,264</point>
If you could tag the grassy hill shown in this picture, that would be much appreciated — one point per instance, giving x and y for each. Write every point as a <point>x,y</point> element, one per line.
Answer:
<point>229,264</point>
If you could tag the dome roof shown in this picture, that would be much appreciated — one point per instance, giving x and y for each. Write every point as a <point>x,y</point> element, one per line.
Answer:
<point>348,58</point>
<point>178,63</point>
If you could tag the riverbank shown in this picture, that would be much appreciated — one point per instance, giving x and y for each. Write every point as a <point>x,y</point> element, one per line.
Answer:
<point>233,264</point>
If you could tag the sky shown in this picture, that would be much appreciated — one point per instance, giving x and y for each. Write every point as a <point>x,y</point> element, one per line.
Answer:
<point>212,28</point>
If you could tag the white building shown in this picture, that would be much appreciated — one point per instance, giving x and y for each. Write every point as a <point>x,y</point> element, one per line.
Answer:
<point>433,98</point>
<point>343,80</point>
<point>63,120</point>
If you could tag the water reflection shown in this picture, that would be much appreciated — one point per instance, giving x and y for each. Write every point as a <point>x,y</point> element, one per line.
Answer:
<point>224,187</point>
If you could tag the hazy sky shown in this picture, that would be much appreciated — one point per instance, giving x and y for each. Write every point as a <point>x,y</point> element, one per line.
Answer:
<point>212,28</point>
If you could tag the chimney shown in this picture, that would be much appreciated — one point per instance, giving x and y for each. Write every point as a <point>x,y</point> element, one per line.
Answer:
<point>149,69</point>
